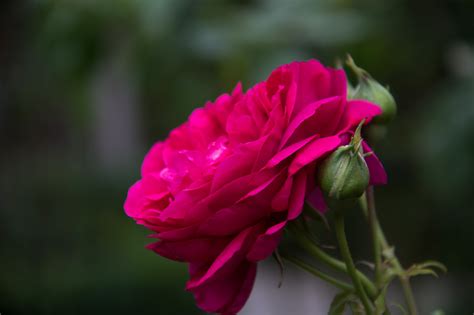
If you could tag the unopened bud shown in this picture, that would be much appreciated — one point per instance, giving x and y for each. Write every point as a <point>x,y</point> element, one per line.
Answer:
<point>344,174</point>
<point>372,91</point>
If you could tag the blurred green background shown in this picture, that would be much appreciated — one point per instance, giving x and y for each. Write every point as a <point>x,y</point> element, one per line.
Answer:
<point>87,86</point>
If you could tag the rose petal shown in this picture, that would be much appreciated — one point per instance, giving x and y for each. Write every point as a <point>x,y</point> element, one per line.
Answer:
<point>231,220</point>
<point>316,200</point>
<point>306,113</point>
<point>356,111</point>
<point>288,151</point>
<point>257,104</point>
<point>240,162</point>
<point>266,243</point>
<point>244,292</point>
<point>313,151</point>
<point>190,250</point>
<point>228,258</point>
<point>378,176</point>
<point>154,188</point>
<point>185,209</point>
<point>282,198</point>
<point>153,161</point>
<point>235,190</point>
<point>313,82</point>
<point>135,200</point>
<point>297,196</point>
<point>227,295</point>
<point>259,188</point>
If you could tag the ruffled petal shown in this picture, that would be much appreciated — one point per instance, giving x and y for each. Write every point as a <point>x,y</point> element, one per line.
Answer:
<point>282,199</point>
<point>227,260</point>
<point>135,200</point>
<point>266,243</point>
<point>249,273</point>
<point>227,295</point>
<point>378,176</point>
<point>313,151</point>
<point>316,200</point>
<point>356,110</point>
<point>231,220</point>
<point>288,151</point>
<point>306,113</point>
<point>190,250</point>
<point>240,162</point>
<point>153,161</point>
<point>297,196</point>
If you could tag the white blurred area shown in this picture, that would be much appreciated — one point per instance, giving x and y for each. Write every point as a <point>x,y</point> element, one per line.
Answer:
<point>303,294</point>
<point>300,292</point>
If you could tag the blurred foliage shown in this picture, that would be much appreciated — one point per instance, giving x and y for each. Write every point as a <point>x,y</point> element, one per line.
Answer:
<point>67,247</point>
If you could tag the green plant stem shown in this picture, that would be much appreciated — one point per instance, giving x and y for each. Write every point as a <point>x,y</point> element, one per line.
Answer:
<point>351,269</point>
<point>368,206</point>
<point>373,223</point>
<point>330,261</point>
<point>404,280</point>
<point>340,284</point>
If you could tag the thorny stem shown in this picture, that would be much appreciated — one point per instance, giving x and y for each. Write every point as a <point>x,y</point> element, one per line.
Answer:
<point>368,206</point>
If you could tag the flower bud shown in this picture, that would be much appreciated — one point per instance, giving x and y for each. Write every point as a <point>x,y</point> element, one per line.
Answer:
<point>344,174</point>
<point>372,91</point>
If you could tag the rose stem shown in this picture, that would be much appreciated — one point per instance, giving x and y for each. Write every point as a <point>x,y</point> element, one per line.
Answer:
<point>373,221</point>
<point>340,284</point>
<point>368,205</point>
<point>346,255</point>
<point>330,261</point>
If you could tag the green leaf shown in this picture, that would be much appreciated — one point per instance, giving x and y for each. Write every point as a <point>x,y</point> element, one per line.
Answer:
<point>338,304</point>
<point>433,264</point>
<point>425,268</point>
<point>417,271</point>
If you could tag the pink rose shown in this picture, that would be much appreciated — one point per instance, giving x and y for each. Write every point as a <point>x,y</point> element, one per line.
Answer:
<point>220,190</point>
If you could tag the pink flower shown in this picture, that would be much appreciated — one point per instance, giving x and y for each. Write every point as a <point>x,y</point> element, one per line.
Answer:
<point>220,190</point>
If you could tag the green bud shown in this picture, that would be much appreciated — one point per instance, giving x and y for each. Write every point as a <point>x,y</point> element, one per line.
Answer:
<point>344,174</point>
<point>372,91</point>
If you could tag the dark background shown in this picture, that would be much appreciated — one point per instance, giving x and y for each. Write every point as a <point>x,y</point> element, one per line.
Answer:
<point>87,86</point>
